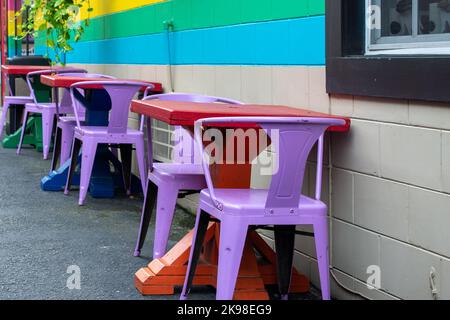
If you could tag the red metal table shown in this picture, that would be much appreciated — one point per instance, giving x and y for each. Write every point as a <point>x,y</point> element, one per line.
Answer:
<point>97,115</point>
<point>24,70</point>
<point>56,81</point>
<point>162,275</point>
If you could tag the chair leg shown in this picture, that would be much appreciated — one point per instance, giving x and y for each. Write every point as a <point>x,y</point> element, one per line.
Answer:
<point>24,127</point>
<point>284,245</point>
<point>201,226</point>
<point>142,162</point>
<point>48,119</point>
<point>76,147</point>
<point>56,149</point>
<point>126,156</point>
<point>232,241</point>
<point>67,133</point>
<point>322,250</point>
<point>88,152</point>
<point>165,210</point>
<point>3,119</point>
<point>147,210</point>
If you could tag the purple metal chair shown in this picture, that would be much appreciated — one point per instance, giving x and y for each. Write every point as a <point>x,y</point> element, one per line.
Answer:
<point>87,138</point>
<point>10,101</point>
<point>166,180</point>
<point>66,122</point>
<point>282,205</point>
<point>47,110</point>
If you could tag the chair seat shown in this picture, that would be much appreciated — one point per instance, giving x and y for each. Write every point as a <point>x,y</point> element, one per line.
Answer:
<point>245,201</point>
<point>18,99</point>
<point>33,107</point>
<point>70,119</point>
<point>173,169</point>
<point>103,131</point>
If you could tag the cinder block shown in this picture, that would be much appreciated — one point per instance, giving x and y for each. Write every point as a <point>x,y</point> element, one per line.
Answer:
<point>203,80</point>
<point>445,280</point>
<point>319,99</point>
<point>342,195</point>
<point>354,249</point>
<point>388,110</point>
<point>228,82</point>
<point>256,84</point>
<point>405,270</point>
<point>303,264</point>
<point>305,244</point>
<point>429,220</point>
<point>446,161</point>
<point>381,206</point>
<point>342,105</point>
<point>290,86</point>
<point>162,76</point>
<point>411,155</point>
<point>183,78</point>
<point>429,114</point>
<point>358,149</point>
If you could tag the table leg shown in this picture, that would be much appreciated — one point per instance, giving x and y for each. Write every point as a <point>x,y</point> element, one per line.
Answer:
<point>162,275</point>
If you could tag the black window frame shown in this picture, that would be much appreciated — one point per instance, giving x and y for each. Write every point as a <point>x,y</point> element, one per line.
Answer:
<point>414,77</point>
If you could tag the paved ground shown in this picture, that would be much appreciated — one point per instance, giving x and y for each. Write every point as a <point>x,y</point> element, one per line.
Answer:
<point>43,233</point>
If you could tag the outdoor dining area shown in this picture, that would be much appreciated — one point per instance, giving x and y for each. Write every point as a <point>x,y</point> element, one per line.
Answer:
<point>88,146</point>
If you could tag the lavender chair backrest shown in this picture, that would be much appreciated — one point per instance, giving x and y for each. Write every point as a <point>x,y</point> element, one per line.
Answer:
<point>121,93</point>
<point>294,139</point>
<point>35,74</point>
<point>65,106</point>
<point>184,145</point>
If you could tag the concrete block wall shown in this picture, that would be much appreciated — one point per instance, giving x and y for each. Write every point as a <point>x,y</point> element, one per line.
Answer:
<point>390,178</point>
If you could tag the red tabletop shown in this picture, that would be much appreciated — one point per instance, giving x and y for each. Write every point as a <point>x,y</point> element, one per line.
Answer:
<point>186,113</point>
<point>66,82</point>
<point>24,70</point>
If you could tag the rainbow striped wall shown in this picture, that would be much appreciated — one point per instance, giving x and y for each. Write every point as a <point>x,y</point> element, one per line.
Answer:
<point>219,32</point>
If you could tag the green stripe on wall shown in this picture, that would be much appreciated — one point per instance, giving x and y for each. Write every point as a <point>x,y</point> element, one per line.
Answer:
<point>196,14</point>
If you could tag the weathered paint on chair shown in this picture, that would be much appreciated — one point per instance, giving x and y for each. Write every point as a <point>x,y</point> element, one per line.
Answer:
<point>166,180</point>
<point>282,205</point>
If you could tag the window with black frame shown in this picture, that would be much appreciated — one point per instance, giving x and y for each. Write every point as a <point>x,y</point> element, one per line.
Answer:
<point>389,48</point>
<point>408,24</point>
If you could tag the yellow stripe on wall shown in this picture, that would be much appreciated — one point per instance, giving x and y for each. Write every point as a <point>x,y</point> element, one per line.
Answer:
<point>104,7</point>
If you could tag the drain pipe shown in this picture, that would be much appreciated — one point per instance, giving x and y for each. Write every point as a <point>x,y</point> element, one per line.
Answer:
<point>169,26</point>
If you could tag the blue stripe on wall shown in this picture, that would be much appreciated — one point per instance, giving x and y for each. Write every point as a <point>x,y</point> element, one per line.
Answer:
<point>283,42</point>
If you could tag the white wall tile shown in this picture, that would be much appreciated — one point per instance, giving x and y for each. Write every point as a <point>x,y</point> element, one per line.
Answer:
<point>405,270</point>
<point>444,294</point>
<point>203,80</point>
<point>342,105</point>
<point>354,249</point>
<point>358,149</point>
<point>430,220</point>
<point>446,161</point>
<point>183,78</point>
<point>256,84</point>
<point>381,206</point>
<point>163,76</point>
<point>411,155</point>
<point>388,110</point>
<point>319,100</point>
<point>342,194</point>
<point>429,114</point>
<point>290,86</point>
<point>228,82</point>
